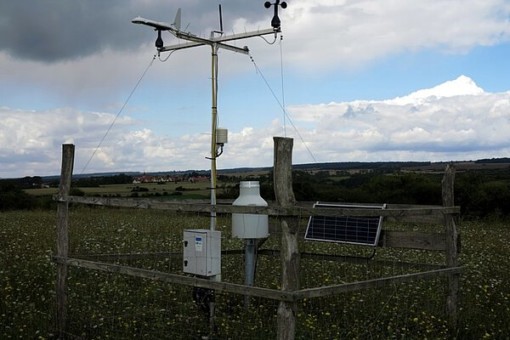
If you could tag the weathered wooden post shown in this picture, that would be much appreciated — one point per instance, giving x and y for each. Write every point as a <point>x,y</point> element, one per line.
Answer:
<point>284,194</point>
<point>63,235</point>
<point>451,246</point>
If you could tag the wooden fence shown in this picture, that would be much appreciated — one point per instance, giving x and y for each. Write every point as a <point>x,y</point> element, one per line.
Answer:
<point>285,209</point>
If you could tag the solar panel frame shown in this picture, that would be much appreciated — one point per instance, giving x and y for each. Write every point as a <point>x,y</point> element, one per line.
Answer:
<point>359,230</point>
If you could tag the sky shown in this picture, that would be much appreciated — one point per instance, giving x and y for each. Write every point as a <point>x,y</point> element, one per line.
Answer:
<point>351,80</point>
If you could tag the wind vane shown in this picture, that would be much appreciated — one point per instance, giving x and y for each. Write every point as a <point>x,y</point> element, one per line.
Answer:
<point>217,40</point>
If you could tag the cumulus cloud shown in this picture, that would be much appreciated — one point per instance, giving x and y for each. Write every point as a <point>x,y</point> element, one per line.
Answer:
<point>52,30</point>
<point>31,139</point>
<point>439,127</point>
<point>353,33</point>
<point>66,68</point>
<point>82,52</point>
<point>443,125</point>
<point>328,32</point>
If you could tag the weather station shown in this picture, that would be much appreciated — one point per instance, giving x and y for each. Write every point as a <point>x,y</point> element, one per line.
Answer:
<point>338,234</point>
<point>202,247</point>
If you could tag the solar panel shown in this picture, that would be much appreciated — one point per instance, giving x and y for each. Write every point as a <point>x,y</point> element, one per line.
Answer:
<point>362,230</point>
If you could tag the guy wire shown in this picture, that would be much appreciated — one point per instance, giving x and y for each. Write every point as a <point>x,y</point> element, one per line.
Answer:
<point>282,107</point>
<point>118,114</point>
<point>283,87</point>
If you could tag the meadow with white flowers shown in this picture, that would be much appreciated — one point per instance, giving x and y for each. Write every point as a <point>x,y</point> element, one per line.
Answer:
<point>108,305</point>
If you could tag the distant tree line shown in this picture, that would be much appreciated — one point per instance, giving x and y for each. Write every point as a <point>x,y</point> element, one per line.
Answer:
<point>483,194</point>
<point>12,197</point>
<point>376,186</point>
<point>385,166</point>
<point>24,182</point>
<point>96,181</point>
<point>494,160</point>
<point>479,193</point>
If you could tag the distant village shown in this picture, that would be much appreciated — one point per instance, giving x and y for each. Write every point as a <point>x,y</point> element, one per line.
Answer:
<point>169,179</point>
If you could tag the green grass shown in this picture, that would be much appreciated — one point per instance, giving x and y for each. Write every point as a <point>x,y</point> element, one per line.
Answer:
<point>106,305</point>
<point>169,190</point>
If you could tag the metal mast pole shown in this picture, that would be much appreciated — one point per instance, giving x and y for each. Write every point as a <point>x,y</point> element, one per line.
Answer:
<point>215,43</point>
<point>214,146</point>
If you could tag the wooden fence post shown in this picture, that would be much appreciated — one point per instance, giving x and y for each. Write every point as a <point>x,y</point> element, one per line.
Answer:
<point>284,194</point>
<point>63,235</point>
<point>452,250</point>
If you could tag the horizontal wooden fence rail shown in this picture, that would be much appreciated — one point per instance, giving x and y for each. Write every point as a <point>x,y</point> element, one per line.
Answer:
<point>273,294</point>
<point>398,212</point>
<point>192,281</point>
<point>374,283</point>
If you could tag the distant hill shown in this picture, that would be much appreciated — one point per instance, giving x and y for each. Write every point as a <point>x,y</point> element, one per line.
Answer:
<point>359,165</point>
<point>495,163</point>
<point>482,164</point>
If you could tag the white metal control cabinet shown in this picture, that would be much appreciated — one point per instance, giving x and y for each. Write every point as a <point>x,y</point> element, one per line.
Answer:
<point>202,252</point>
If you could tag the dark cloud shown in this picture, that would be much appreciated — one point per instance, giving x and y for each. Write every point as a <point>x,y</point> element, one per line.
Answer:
<point>54,30</point>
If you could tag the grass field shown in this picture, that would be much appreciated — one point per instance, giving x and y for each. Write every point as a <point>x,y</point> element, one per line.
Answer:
<point>185,190</point>
<point>105,305</point>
